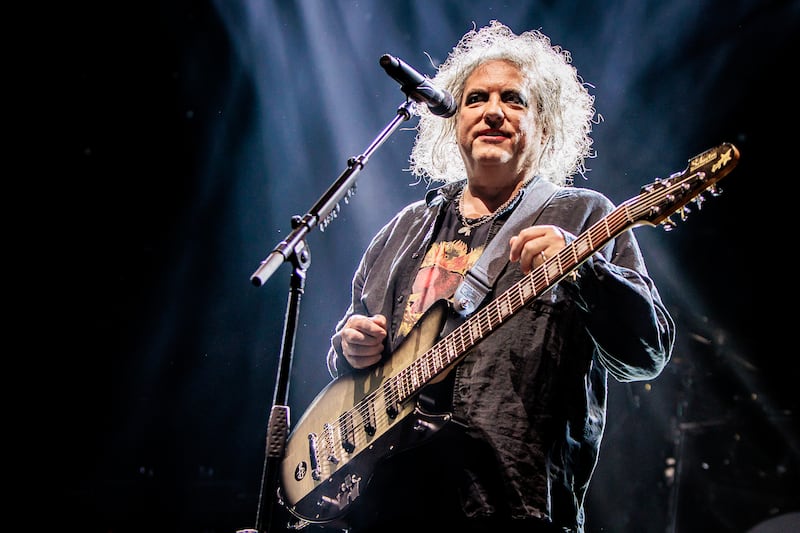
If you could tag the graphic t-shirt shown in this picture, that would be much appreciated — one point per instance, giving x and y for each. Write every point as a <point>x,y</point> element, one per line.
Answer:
<point>447,261</point>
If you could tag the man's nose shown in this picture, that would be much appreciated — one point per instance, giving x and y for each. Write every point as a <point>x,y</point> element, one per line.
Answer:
<point>493,112</point>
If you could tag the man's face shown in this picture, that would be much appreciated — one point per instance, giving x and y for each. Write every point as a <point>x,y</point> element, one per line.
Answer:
<point>495,123</point>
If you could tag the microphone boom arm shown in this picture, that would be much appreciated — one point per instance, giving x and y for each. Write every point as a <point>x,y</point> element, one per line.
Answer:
<point>328,205</point>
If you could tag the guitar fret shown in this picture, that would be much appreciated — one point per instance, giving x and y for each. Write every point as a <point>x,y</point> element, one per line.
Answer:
<point>583,247</point>
<point>558,264</point>
<point>481,327</point>
<point>427,369</point>
<point>492,311</point>
<point>464,339</point>
<point>474,330</point>
<point>438,358</point>
<point>574,253</point>
<point>519,294</point>
<point>628,215</point>
<point>418,376</point>
<point>504,305</point>
<point>451,350</point>
<point>545,273</point>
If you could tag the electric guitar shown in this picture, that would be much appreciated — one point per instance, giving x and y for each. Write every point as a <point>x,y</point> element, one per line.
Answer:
<point>365,417</point>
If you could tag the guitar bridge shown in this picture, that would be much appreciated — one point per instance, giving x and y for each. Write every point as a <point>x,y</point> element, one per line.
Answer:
<point>312,456</point>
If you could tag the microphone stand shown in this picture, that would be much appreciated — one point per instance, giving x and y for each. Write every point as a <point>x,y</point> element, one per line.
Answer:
<point>294,249</point>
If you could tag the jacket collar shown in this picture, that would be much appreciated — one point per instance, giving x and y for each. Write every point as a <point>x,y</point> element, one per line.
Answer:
<point>445,193</point>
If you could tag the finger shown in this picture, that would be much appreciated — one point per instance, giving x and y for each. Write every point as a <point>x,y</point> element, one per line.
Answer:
<point>520,242</point>
<point>374,326</point>
<point>359,361</point>
<point>360,342</point>
<point>379,320</point>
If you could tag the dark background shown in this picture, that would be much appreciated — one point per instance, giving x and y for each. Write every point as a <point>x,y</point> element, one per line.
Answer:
<point>193,131</point>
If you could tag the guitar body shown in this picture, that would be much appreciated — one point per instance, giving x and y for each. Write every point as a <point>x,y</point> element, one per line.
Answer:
<point>363,418</point>
<point>355,422</point>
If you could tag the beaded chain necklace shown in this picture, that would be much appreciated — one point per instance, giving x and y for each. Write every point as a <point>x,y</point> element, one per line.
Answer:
<point>467,226</point>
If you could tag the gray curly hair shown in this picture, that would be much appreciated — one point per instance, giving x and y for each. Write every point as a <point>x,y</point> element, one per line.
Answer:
<point>565,107</point>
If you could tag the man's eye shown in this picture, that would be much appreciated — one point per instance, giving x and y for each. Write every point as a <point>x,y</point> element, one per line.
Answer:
<point>514,98</point>
<point>474,97</point>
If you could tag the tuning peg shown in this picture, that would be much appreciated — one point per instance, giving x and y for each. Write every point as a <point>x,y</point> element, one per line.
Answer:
<point>668,224</point>
<point>684,213</point>
<point>714,190</point>
<point>658,183</point>
<point>699,201</point>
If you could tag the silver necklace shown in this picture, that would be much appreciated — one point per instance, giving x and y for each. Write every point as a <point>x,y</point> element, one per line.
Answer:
<point>467,226</point>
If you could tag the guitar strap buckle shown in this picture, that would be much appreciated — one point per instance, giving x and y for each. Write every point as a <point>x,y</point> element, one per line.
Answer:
<point>469,295</point>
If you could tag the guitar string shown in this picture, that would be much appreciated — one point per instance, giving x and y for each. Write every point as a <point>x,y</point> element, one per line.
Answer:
<point>514,298</point>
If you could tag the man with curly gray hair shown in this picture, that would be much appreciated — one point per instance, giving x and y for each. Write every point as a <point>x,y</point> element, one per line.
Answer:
<point>562,103</point>
<point>495,424</point>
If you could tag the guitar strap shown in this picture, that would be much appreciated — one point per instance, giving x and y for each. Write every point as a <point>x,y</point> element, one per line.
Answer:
<point>479,280</point>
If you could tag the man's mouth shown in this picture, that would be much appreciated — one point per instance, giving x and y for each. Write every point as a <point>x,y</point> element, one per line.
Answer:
<point>493,133</point>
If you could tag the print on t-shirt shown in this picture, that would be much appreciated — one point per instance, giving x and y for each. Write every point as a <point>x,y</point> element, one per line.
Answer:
<point>442,269</point>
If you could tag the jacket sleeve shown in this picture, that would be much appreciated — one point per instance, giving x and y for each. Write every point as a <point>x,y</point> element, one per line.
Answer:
<point>624,315</point>
<point>632,330</point>
<point>384,264</point>
<point>337,364</point>
<point>359,296</point>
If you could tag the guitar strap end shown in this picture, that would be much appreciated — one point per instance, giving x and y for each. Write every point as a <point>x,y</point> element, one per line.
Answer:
<point>469,294</point>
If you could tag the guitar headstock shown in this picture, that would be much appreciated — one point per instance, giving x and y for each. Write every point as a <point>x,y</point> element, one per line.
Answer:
<point>664,197</point>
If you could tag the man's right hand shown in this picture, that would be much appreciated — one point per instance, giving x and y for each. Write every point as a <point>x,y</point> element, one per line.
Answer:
<point>362,340</point>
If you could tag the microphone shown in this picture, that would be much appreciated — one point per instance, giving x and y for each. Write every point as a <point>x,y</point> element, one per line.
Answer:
<point>418,87</point>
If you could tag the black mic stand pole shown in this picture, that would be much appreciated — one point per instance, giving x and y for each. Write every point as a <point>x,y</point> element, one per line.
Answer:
<point>295,250</point>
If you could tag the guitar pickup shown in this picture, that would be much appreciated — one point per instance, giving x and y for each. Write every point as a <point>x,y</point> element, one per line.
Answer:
<point>368,417</point>
<point>390,398</point>
<point>347,432</point>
